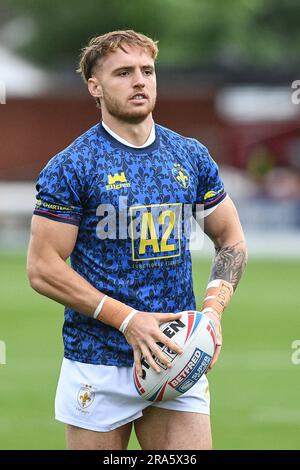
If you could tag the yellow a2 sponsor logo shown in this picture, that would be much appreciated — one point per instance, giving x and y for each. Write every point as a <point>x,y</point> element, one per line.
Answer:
<point>156,231</point>
<point>149,226</point>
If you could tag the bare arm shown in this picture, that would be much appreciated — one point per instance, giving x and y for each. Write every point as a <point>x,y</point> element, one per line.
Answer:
<point>50,246</point>
<point>224,229</point>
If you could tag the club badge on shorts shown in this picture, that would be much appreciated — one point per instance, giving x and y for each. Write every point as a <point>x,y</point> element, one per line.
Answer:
<point>85,396</point>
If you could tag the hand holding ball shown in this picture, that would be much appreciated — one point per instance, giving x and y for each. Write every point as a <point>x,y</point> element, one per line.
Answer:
<point>194,332</point>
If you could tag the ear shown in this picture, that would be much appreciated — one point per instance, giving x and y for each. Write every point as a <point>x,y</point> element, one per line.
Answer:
<point>94,87</point>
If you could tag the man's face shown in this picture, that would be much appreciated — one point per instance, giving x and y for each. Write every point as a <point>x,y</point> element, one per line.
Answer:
<point>127,84</point>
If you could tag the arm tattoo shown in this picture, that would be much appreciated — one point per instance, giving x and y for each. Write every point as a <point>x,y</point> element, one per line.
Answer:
<point>229,263</point>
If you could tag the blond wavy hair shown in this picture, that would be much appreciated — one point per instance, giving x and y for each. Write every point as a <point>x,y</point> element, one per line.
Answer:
<point>100,46</point>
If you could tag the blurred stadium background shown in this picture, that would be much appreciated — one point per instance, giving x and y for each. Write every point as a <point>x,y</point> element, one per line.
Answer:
<point>225,75</point>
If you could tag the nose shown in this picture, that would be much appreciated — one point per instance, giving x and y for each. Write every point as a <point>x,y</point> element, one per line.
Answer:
<point>138,79</point>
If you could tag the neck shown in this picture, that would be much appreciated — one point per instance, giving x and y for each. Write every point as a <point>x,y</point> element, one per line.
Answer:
<point>135,134</point>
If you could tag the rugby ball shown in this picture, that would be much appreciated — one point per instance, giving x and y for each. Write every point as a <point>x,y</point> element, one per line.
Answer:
<point>195,333</point>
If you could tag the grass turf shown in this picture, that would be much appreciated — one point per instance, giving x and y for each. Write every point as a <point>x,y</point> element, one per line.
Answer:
<point>254,386</point>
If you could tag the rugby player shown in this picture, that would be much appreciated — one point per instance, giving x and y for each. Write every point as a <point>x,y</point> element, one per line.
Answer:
<point>113,201</point>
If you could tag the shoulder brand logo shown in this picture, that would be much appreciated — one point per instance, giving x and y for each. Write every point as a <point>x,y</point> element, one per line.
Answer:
<point>85,396</point>
<point>117,181</point>
<point>117,178</point>
<point>181,176</point>
<point>210,194</point>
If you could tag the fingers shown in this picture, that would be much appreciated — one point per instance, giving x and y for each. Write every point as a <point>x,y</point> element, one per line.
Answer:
<point>152,353</point>
<point>215,357</point>
<point>137,361</point>
<point>163,359</point>
<point>146,345</point>
<point>165,317</point>
<point>149,358</point>
<point>217,325</point>
<point>162,338</point>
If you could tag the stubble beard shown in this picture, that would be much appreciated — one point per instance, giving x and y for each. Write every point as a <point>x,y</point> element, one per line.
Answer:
<point>117,110</point>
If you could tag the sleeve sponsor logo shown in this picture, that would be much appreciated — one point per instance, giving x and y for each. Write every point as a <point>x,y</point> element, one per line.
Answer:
<point>54,207</point>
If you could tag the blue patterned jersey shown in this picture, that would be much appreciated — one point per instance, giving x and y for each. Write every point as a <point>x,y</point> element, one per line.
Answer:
<point>131,206</point>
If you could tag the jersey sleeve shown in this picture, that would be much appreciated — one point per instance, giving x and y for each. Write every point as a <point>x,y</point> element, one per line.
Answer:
<point>58,192</point>
<point>211,189</point>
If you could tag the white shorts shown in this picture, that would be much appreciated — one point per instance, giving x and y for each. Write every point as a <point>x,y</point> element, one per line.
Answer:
<point>102,398</point>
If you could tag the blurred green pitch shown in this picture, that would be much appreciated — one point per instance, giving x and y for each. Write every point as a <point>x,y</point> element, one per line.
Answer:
<point>254,387</point>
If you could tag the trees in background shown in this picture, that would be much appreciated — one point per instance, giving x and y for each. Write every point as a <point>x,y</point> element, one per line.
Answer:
<point>191,32</point>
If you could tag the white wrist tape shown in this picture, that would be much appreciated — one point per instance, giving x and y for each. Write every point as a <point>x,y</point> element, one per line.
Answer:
<point>214,283</point>
<point>210,309</point>
<point>127,320</point>
<point>218,294</point>
<point>99,307</point>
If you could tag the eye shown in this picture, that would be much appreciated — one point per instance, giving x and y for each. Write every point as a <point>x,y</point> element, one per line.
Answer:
<point>124,73</point>
<point>148,72</point>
